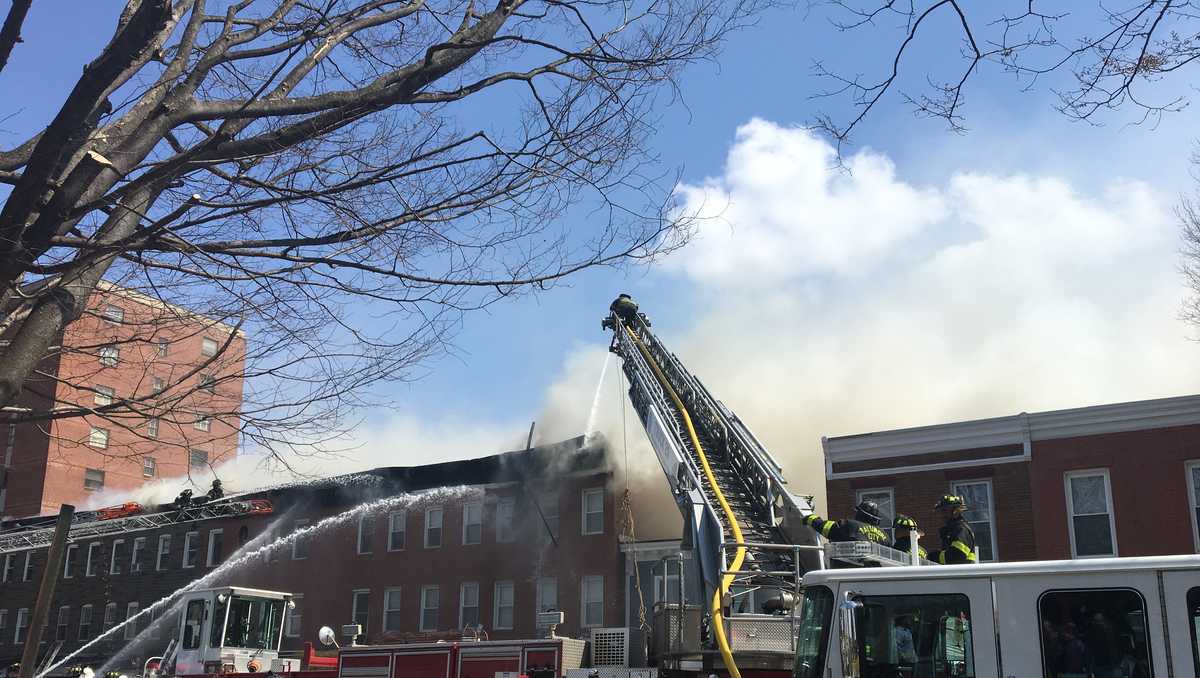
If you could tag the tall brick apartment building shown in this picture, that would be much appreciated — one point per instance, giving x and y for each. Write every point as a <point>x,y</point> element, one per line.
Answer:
<point>408,553</point>
<point>161,387</point>
<point>1120,479</point>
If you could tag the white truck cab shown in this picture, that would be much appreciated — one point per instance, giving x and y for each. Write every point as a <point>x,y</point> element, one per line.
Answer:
<point>230,629</point>
<point>1101,618</point>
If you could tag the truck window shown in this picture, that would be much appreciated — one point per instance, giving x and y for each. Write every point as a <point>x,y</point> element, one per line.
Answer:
<point>215,635</point>
<point>254,623</point>
<point>816,615</point>
<point>1097,632</point>
<point>1193,608</point>
<point>192,619</point>
<point>917,636</point>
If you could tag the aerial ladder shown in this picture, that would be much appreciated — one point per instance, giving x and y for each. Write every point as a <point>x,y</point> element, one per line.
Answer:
<point>742,525</point>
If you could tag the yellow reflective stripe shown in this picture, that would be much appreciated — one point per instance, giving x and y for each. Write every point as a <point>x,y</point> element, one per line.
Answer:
<point>826,528</point>
<point>941,557</point>
<point>811,518</point>
<point>963,547</point>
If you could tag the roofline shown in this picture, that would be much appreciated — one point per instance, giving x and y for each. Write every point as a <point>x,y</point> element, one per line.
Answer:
<point>1063,567</point>
<point>1017,429</point>
<point>113,288</point>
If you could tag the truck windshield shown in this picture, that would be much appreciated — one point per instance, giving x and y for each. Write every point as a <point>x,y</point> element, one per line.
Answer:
<point>254,623</point>
<point>815,620</point>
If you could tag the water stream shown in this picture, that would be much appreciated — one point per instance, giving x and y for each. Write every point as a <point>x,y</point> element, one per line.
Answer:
<point>259,547</point>
<point>593,415</point>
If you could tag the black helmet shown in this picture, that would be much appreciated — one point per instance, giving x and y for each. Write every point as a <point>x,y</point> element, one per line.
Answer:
<point>868,512</point>
<point>950,501</point>
<point>903,522</point>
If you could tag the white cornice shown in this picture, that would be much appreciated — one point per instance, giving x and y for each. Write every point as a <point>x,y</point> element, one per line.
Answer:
<point>1018,429</point>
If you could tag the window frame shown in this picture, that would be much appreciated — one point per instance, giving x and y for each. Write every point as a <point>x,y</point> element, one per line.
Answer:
<point>202,422</point>
<point>462,603</point>
<point>137,555</point>
<point>98,437</point>
<point>539,597</point>
<point>354,611</point>
<point>18,627</point>
<point>103,395</point>
<point>63,623</point>
<point>466,509</point>
<point>132,609</point>
<point>211,558</point>
<point>1111,510</point>
<point>93,487</point>
<point>192,457</point>
<point>583,601</point>
<point>991,494</point>
<point>506,519</point>
<point>109,355</point>
<point>189,540</point>
<point>441,513</point>
<point>297,541</point>
<point>1190,468</point>
<point>860,495</point>
<point>425,590</point>
<point>161,556</point>
<point>583,511</point>
<point>113,560</point>
<point>511,587</point>
<point>89,566</point>
<point>86,613</point>
<point>68,561</point>
<point>161,348</point>
<point>204,342</point>
<point>149,466</point>
<point>365,520</point>
<point>27,572</point>
<point>112,318</point>
<point>293,617</point>
<point>402,514</point>
<point>397,611</point>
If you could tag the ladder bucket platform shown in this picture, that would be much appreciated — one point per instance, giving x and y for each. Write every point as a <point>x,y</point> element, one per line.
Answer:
<point>867,553</point>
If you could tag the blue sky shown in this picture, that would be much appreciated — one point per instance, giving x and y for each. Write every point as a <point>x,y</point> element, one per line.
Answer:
<point>1031,266</point>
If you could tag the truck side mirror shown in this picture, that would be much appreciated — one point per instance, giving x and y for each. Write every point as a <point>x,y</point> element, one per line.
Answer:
<point>847,611</point>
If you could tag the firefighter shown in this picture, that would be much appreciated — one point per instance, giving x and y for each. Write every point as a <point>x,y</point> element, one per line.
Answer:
<point>904,526</point>
<point>216,492</point>
<point>958,540</point>
<point>864,526</point>
<point>625,308</point>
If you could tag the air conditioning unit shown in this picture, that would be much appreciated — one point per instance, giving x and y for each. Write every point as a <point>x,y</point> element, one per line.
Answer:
<point>610,647</point>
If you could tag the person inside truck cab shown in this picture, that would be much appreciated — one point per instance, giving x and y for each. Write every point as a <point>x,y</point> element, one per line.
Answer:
<point>864,526</point>
<point>958,540</point>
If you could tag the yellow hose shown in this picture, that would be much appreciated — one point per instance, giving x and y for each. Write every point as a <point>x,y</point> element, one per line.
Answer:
<point>740,555</point>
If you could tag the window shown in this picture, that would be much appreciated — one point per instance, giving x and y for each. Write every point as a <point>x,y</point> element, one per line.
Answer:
<point>366,533</point>
<point>215,547</point>
<point>666,589</point>
<point>243,535</point>
<point>27,575</point>
<point>468,605</point>
<point>64,622</point>
<point>164,552</point>
<point>156,385</point>
<point>1101,632</point>
<point>472,523</point>
<point>885,498</point>
<point>190,548</point>
<point>69,561</point>
<point>89,567</point>
<point>1193,481</point>
<point>1090,516</point>
<point>103,396</point>
<point>980,514</point>
<point>592,604</point>
<point>502,605</point>
<point>361,608</point>
<point>1193,611</point>
<point>547,594</point>
<point>98,438</point>
<point>93,479</point>
<point>202,423</point>
<point>10,567</point>
<point>114,560</point>
<point>300,541</point>
<point>208,347</point>
<point>593,511</point>
<point>139,551</point>
<point>549,519</point>
<point>193,620</point>
<point>293,621</point>
<point>114,314</point>
<point>110,616</point>
<point>920,635</point>
<point>85,622</point>
<point>162,348</point>
<point>149,465</point>
<point>816,618</point>
<point>505,508</point>
<point>197,458</point>
<point>433,528</point>
<point>391,609</point>
<point>110,356</point>
<point>396,523</point>
<point>3,624</point>
<point>208,382</point>
<point>430,602</point>
<point>22,624</point>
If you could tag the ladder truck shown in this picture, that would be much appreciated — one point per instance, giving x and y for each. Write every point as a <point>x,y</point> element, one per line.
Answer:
<point>743,527</point>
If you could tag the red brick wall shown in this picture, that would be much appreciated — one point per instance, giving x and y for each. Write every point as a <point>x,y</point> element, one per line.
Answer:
<point>916,494</point>
<point>1147,474</point>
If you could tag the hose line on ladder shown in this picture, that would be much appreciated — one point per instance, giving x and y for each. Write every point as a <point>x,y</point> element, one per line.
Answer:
<point>726,580</point>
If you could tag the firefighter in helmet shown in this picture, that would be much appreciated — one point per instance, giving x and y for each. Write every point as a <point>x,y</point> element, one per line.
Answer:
<point>958,540</point>
<point>904,526</point>
<point>624,307</point>
<point>864,526</point>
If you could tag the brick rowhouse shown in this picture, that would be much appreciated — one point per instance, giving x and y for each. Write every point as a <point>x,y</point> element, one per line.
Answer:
<point>1106,480</point>
<point>126,345</point>
<point>485,550</point>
